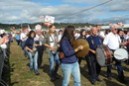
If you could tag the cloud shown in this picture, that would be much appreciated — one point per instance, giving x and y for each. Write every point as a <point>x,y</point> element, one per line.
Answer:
<point>20,11</point>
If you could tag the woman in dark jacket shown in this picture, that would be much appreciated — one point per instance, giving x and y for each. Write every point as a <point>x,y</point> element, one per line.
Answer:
<point>30,47</point>
<point>69,63</point>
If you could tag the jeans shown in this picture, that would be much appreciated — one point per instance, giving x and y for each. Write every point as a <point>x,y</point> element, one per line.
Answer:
<point>33,61</point>
<point>54,64</point>
<point>23,44</point>
<point>18,42</point>
<point>69,69</point>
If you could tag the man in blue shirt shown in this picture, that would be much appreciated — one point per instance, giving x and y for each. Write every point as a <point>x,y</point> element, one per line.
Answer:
<point>94,68</point>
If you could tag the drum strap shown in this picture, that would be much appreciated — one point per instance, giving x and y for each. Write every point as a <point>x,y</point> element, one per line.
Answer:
<point>105,50</point>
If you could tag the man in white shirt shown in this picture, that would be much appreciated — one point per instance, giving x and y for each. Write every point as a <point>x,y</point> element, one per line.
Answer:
<point>113,41</point>
<point>23,36</point>
<point>39,40</point>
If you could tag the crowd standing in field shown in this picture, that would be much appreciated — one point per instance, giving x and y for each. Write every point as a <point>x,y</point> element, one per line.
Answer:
<point>61,52</point>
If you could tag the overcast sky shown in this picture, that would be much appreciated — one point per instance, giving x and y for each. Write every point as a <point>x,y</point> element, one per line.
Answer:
<point>68,11</point>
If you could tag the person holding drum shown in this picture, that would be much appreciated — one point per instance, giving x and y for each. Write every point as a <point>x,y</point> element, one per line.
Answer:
<point>94,68</point>
<point>69,61</point>
<point>113,42</point>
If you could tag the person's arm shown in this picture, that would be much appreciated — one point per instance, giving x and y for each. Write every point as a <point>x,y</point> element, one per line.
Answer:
<point>68,49</point>
<point>28,49</point>
<point>105,41</point>
<point>1,41</point>
<point>93,51</point>
<point>47,45</point>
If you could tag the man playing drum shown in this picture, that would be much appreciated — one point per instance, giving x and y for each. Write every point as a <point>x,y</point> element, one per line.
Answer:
<point>93,67</point>
<point>113,41</point>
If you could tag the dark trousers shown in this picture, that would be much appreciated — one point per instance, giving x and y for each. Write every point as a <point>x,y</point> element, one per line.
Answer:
<point>40,50</point>
<point>18,42</point>
<point>119,69</point>
<point>93,67</point>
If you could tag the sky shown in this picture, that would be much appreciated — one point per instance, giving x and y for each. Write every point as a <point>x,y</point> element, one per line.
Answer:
<point>64,11</point>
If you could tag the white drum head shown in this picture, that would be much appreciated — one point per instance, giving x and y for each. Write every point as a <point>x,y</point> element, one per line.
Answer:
<point>121,54</point>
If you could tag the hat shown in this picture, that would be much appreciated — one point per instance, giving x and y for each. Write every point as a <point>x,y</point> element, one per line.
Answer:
<point>38,27</point>
<point>49,19</point>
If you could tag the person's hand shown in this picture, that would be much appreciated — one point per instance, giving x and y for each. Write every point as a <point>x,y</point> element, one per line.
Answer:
<point>31,51</point>
<point>80,47</point>
<point>35,45</point>
<point>52,48</point>
<point>123,43</point>
<point>93,51</point>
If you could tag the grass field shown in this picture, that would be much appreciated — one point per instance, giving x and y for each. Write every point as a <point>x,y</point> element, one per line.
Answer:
<point>22,76</point>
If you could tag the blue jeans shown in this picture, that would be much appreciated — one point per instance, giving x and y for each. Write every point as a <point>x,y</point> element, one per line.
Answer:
<point>69,69</point>
<point>54,64</point>
<point>23,44</point>
<point>33,61</point>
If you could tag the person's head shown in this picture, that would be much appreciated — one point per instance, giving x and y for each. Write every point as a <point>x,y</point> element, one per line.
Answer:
<point>69,32</point>
<point>38,29</point>
<point>114,28</point>
<point>98,27</point>
<point>120,32</point>
<point>107,31</point>
<point>31,34</point>
<point>60,32</point>
<point>52,29</point>
<point>94,31</point>
<point>47,24</point>
<point>83,32</point>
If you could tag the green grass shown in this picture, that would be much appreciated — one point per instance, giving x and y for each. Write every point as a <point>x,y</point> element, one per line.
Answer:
<point>22,76</point>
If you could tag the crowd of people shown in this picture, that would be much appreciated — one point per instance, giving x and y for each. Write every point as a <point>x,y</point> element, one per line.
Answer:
<point>62,54</point>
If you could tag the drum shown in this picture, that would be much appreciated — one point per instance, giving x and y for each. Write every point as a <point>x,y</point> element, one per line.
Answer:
<point>121,54</point>
<point>85,50</point>
<point>103,55</point>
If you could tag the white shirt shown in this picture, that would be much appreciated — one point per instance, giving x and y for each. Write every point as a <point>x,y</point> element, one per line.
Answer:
<point>23,37</point>
<point>39,38</point>
<point>112,41</point>
<point>52,39</point>
<point>102,34</point>
<point>59,37</point>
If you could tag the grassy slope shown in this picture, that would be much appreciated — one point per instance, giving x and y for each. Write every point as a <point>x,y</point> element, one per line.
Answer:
<point>22,76</point>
